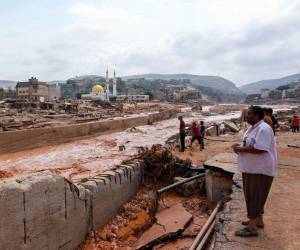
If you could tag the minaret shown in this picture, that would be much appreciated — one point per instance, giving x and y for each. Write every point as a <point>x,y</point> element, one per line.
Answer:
<point>107,83</point>
<point>115,84</point>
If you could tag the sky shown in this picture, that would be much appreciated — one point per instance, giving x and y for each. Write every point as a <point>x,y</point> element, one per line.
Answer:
<point>240,40</point>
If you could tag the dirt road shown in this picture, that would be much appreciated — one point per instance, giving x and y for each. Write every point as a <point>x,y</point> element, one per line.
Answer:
<point>282,211</point>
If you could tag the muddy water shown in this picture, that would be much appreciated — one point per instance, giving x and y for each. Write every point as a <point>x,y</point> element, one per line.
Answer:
<point>88,157</point>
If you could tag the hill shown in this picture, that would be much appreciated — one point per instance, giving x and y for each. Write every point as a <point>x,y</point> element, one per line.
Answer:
<point>255,87</point>
<point>217,83</point>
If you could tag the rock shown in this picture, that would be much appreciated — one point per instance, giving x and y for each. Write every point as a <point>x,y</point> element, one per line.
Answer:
<point>232,126</point>
<point>211,131</point>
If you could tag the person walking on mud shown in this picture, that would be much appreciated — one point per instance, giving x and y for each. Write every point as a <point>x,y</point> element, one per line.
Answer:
<point>257,161</point>
<point>202,132</point>
<point>295,124</point>
<point>181,133</point>
<point>196,134</point>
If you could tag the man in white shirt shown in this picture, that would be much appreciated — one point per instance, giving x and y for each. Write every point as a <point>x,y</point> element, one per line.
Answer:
<point>257,160</point>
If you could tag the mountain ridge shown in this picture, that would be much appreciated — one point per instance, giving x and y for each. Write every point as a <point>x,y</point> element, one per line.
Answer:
<point>215,82</point>
<point>255,87</point>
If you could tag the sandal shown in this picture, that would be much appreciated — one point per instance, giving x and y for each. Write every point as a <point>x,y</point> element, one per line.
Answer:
<point>246,223</point>
<point>246,232</point>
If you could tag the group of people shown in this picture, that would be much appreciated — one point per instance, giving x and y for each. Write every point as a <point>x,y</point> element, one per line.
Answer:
<point>198,133</point>
<point>257,161</point>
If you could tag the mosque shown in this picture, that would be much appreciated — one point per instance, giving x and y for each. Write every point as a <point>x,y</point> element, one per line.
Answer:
<point>103,94</point>
<point>100,93</point>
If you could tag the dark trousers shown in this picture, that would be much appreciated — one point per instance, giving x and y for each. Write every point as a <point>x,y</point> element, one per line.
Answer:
<point>182,141</point>
<point>256,189</point>
<point>198,138</point>
<point>295,128</point>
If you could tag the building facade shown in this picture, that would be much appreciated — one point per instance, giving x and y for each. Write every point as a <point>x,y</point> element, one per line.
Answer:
<point>132,98</point>
<point>33,90</point>
<point>54,92</point>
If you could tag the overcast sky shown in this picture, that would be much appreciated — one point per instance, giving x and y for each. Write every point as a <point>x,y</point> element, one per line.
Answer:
<point>241,40</point>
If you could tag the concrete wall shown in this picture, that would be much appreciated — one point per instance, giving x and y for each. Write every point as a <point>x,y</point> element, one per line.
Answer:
<point>25,139</point>
<point>217,185</point>
<point>45,211</point>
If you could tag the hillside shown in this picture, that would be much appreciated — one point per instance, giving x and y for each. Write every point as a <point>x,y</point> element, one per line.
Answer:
<point>217,83</point>
<point>255,87</point>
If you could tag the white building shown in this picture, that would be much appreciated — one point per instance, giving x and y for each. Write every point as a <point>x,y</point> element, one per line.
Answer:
<point>133,98</point>
<point>54,92</point>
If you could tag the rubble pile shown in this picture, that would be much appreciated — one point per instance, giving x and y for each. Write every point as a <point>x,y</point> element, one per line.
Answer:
<point>19,115</point>
<point>226,108</point>
<point>161,165</point>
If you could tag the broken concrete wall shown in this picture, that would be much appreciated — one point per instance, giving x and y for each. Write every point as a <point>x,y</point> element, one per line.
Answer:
<point>45,211</point>
<point>42,211</point>
<point>110,191</point>
<point>30,138</point>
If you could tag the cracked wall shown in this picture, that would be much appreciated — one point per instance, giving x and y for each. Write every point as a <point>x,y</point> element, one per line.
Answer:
<point>45,211</point>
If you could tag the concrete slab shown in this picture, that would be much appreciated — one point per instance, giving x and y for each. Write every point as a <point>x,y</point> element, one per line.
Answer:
<point>224,162</point>
<point>170,221</point>
<point>231,126</point>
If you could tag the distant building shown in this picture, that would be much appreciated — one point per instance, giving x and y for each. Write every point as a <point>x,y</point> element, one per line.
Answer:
<point>98,94</point>
<point>101,94</point>
<point>132,98</point>
<point>135,80</point>
<point>32,91</point>
<point>54,92</point>
<point>265,93</point>
<point>253,98</point>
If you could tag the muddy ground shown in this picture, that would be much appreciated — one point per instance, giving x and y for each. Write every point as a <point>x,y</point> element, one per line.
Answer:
<point>126,229</point>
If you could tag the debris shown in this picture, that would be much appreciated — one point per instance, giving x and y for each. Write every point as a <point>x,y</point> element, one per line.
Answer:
<point>190,188</point>
<point>232,126</point>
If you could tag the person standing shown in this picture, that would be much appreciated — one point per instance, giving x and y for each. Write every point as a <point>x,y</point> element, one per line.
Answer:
<point>181,133</point>
<point>257,161</point>
<point>202,132</point>
<point>295,124</point>
<point>196,134</point>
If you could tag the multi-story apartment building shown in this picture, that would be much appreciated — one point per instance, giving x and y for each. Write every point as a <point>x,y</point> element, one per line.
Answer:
<point>33,90</point>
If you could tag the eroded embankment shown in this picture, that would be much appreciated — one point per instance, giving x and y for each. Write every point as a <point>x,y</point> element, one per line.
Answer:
<point>46,211</point>
<point>30,138</point>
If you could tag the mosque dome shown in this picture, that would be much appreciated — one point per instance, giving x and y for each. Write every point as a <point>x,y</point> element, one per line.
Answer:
<point>97,89</point>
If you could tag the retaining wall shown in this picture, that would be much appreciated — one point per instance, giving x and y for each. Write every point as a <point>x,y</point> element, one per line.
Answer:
<point>45,211</point>
<point>30,138</point>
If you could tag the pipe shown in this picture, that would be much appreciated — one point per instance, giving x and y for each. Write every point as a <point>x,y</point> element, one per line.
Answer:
<point>176,184</point>
<point>206,236</point>
<point>205,227</point>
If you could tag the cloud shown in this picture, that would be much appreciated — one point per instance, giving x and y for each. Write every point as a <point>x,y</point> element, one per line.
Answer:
<point>241,40</point>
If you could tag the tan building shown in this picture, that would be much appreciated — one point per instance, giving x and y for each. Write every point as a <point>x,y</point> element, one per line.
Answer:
<point>54,92</point>
<point>33,90</point>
